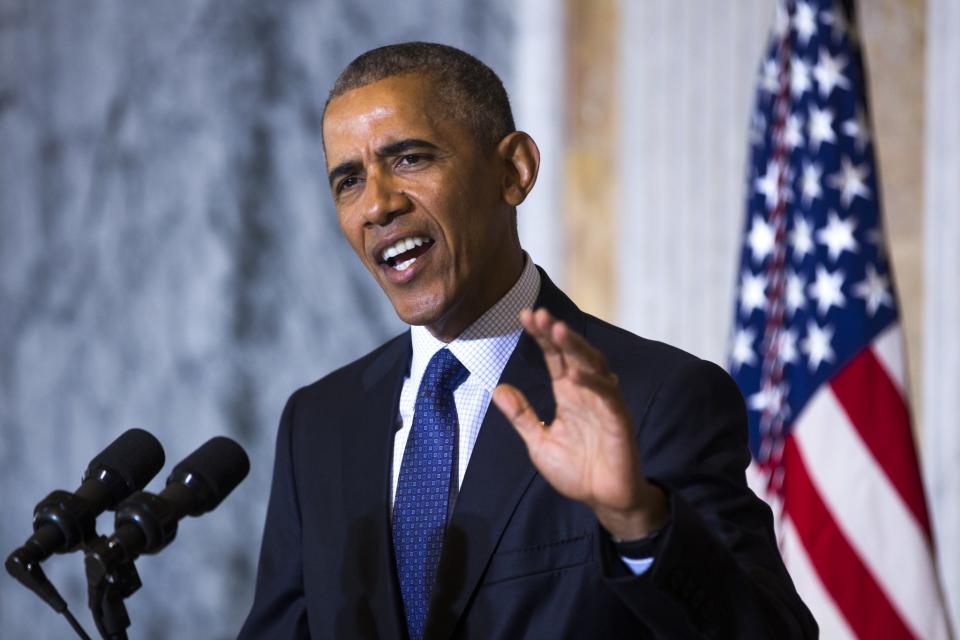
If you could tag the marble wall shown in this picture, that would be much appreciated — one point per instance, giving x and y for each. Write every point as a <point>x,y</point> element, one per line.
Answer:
<point>170,259</point>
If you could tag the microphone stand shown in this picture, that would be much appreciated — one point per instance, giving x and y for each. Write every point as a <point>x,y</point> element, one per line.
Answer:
<point>111,578</point>
<point>26,569</point>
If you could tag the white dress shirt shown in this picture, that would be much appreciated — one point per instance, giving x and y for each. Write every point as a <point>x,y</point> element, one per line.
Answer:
<point>484,349</point>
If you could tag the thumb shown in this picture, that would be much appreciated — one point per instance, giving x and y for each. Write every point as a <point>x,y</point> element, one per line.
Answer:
<point>514,405</point>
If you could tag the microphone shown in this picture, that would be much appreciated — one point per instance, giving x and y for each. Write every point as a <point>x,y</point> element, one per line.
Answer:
<point>63,521</point>
<point>146,522</point>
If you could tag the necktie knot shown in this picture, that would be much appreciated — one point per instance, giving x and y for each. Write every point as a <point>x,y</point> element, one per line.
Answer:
<point>444,372</point>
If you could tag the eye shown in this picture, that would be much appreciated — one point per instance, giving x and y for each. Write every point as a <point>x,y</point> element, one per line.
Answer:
<point>411,159</point>
<point>347,183</point>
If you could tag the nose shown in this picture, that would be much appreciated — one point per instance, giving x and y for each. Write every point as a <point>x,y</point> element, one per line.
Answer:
<point>384,200</point>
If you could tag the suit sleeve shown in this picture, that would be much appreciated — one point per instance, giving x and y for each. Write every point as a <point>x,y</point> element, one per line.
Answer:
<point>279,609</point>
<point>717,572</point>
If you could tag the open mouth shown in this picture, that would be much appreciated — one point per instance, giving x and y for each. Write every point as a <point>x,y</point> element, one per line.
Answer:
<point>403,253</point>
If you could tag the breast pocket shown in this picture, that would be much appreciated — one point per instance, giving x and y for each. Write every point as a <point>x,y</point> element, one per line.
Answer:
<point>508,564</point>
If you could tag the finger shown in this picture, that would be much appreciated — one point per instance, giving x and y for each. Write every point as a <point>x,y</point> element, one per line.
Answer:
<point>514,405</point>
<point>538,324</point>
<point>603,383</point>
<point>575,349</point>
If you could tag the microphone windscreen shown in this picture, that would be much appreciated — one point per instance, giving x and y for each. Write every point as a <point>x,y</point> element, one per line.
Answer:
<point>136,456</point>
<point>220,463</point>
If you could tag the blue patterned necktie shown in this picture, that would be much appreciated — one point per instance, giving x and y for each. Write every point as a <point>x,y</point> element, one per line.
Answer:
<point>423,488</point>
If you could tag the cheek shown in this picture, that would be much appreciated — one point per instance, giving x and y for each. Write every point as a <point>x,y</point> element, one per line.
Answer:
<point>463,219</point>
<point>348,227</point>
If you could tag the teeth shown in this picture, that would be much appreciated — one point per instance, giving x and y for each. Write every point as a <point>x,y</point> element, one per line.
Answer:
<point>404,265</point>
<point>406,244</point>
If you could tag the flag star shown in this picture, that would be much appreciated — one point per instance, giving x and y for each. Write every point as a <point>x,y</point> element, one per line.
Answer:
<point>874,289</point>
<point>768,398</point>
<point>769,184</point>
<point>829,73</point>
<point>794,292</point>
<point>801,237</point>
<point>817,345</point>
<point>800,81</point>
<point>761,239</point>
<point>850,181</point>
<point>827,289</point>
<point>820,127</point>
<point>810,182</point>
<point>837,21</point>
<point>770,76</point>
<point>760,400</point>
<point>793,134</point>
<point>837,235</point>
<point>805,22</point>
<point>857,129</point>
<point>753,292</point>
<point>743,352</point>
<point>787,346</point>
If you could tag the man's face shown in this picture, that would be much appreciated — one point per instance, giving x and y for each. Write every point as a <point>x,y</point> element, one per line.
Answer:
<point>421,202</point>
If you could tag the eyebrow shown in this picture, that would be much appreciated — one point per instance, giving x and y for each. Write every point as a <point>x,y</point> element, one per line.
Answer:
<point>392,149</point>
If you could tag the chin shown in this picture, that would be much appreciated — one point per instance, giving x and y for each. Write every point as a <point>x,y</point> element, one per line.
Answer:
<point>421,311</point>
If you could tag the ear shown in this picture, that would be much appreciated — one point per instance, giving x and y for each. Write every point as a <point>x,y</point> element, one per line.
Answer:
<point>521,162</point>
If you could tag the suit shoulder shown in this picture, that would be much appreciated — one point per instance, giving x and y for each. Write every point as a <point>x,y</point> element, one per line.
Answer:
<point>632,355</point>
<point>346,379</point>
<point>618,343</point>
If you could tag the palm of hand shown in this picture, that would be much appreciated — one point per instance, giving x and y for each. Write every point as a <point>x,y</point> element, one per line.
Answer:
<point>587,453</point>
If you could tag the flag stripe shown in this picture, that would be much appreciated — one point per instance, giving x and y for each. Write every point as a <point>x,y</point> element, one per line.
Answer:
<point>862,503</point>
<point>888,347</point>
<point>864,605</point>
<point>831,622</point>
<point>878,412</point>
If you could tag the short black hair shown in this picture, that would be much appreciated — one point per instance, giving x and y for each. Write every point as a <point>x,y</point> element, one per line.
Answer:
<point>469,89</point>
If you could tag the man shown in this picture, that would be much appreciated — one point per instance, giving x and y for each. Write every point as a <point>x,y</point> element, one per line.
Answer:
<point>603,496</point>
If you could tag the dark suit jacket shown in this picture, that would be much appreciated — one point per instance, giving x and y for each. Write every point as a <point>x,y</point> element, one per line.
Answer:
<point>519,560</point>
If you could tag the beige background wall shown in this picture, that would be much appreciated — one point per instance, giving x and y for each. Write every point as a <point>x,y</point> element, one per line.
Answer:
<point>894,37</point>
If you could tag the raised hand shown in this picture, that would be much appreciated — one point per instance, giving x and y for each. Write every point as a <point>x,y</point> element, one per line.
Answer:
<point>588,453</point>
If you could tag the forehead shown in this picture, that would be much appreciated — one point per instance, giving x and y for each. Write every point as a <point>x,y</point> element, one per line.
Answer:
<point>389,110</point>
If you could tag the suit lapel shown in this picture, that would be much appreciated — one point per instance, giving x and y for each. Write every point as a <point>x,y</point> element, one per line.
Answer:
<point>497,476</point>
<point>367,460</point>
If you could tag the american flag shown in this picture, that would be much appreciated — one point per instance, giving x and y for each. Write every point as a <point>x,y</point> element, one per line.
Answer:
<point>817,345</point>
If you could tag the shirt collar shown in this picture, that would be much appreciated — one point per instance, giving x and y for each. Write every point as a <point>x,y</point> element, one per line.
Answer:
<point>486,345</point>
